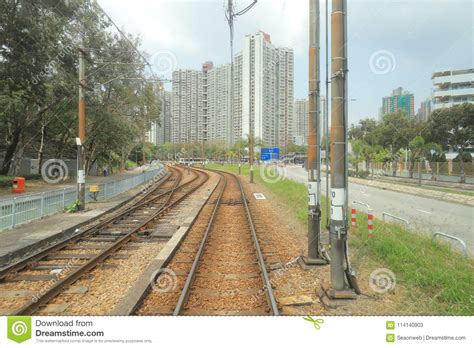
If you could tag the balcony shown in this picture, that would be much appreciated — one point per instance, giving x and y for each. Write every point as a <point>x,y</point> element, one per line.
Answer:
<point>454,92</point>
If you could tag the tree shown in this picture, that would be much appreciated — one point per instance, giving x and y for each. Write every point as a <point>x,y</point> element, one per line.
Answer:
<point>356,156</point>
<point>453,128</point>
<point>419,151</point>
<point>39,43</point>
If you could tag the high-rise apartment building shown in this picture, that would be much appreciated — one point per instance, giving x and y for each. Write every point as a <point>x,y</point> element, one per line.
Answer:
<point>266,93</point>
<point>285,88</point>
<point>237,132</point>
<point>424,111</point>
<point>219,101</point>
<point>301,122</point>
<point>452,87</point>
<point>163,130</point>
<point>399,101</point>
<point>263,97</point>
<point>160,132</point>
<point>187,91</point>
<point>201,104</point>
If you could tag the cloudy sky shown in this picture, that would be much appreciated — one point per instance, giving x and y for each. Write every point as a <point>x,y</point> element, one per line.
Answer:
<point>392,43</point>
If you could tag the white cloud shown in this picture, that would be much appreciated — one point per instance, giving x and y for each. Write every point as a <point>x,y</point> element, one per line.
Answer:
<point>424,35</point>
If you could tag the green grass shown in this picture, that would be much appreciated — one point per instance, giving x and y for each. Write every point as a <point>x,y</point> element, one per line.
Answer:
<point>6,180</point>
<point>131,164</point>
<point>447,190</point>
<point>439,279</point>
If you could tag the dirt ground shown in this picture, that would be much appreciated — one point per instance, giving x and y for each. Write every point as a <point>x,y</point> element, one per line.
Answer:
<point>284,236</point>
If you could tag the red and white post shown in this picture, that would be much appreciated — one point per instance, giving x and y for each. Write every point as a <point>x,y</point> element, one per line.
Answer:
<point>370,220</point>
<point>353,216</point>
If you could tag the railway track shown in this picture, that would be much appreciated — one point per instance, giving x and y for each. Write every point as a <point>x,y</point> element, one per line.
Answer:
<point>219,267</point>
<point>53,271</point>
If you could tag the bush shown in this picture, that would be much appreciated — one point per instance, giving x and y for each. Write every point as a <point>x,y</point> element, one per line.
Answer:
<point>5,180</point>
<point>363,174</point>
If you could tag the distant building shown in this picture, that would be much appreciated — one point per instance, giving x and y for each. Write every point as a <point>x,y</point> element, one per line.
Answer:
<point>285,89</point>
<point>265,73</point>
<point>263,97</point>
<point>301,121</point>
<point>163,129</point>
<point>219,103</point>
<point>399,101</point>
<point>424,111</point>
<point>186,91</point>
<point>452,87</point>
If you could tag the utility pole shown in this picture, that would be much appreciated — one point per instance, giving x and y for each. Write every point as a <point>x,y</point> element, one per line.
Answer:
<point>251,152</point>
<point>314,257</point>
<point>230,15</point>
<point>339,193</point>
<point>203,154</point>
<point>239,158</point>
<point>81,177</point>
<point>326,107</point>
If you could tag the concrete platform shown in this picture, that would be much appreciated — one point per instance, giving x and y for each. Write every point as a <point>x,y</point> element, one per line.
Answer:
<point>30,238</point>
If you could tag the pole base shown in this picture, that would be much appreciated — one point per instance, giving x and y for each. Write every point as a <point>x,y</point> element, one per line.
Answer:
<point>331,298</point>
<point>347,294</point>
<point>308,263</point>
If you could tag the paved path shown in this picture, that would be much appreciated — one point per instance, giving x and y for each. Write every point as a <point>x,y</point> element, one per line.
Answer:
<point>35,186</point>
<point>424,214</point>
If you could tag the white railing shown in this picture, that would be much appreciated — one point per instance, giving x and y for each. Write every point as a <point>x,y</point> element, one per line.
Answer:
<point>22,209</point>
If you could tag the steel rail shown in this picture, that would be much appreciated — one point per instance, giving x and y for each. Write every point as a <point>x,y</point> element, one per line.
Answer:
<point>32,306</point>
<point>18,266</point>
<point>192,274</point>
<point>183,298</point>
<point>266,279</point>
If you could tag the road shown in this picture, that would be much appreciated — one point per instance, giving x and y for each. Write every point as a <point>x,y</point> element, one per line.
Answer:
<point>423,214</point>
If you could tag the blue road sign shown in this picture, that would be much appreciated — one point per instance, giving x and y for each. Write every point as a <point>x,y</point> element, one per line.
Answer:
<point>270,154</point>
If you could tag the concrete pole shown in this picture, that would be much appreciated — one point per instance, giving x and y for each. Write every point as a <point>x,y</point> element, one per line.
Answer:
<point>338,226</point>
<point>81,183</point>
<point>314,139</point>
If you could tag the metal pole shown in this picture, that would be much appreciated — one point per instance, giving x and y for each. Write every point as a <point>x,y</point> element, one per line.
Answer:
<point>326,106</point>
<point>81,183</point>
<point>251,159</point>
<point>230,10</point>
<point>230,15</point>
<point>338,226</point>
<point>314,140</point>
<point>239,160</point>
<point>203,153</point>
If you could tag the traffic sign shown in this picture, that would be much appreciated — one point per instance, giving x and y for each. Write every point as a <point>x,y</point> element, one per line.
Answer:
<point>270,154</point>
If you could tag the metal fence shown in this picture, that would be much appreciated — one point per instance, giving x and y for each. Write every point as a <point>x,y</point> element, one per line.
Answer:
<point>18,210</point>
